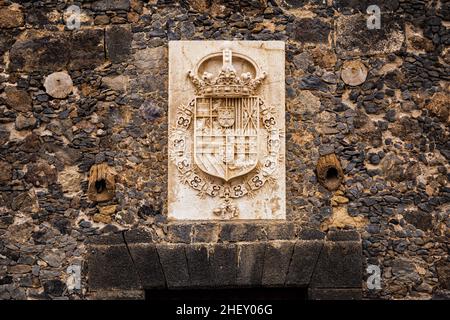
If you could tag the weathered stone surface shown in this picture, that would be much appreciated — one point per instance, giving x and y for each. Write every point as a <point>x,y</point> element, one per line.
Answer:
<point>70,179</point>
<point>251,263</point>
<point>303,262</point>
<point>87,49</point>
<point>354,72</point>
<point>439,106</point>
<point>138,235</point>
<point>276,262</point>
<point>53,51</point>
<point>5,171</point>
<point>58,85</point>
<point>118,42</point>
<point>104,5</point>
<point>25,122</point>
<point>151,59</point>
<point>343,235</point>
<point>11,16</point>
<point>17,99</point>
<point>223,264</point>
<point>390,134</point>
<point>148,265</point>
<point>111,268</point>
<point>421,220</point>
<point>339,266</point>
<point>310,30</point>
<point>198,264</point>
<point>353,38</point>
<point>117,83</point>
<point>174,264</point>
<point>38,50</point>
<point>244,79</point>
<point>443,273</point>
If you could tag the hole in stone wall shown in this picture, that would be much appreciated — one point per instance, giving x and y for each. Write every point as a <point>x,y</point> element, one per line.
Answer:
<point>329,171</point>
<point>332,174</point>
<point>228,294</point>
<point>100,185</point>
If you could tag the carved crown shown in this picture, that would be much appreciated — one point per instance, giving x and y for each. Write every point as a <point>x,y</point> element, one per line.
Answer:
<point>227,83</point>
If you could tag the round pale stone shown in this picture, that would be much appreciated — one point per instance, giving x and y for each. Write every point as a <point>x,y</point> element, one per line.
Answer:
<point>354,73</point>
<point>58,85</point>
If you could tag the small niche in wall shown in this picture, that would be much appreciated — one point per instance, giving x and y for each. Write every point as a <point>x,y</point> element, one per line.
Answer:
<point>329,172</point>
<point>101,183</point>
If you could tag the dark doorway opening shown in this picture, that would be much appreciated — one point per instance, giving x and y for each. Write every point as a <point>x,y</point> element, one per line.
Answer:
<point>228,294</point>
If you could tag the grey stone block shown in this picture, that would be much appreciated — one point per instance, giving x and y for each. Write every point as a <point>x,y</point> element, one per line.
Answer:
<point>304,259</point>
<point>355,39</point>
<point>223,262</point>
<point>180,233</point>
<point>276,262</point>
<point>138,235</point>
<point>206,232</point>
<point>174,264</point>
<point>148,266</point>
<point>343,235</point>
<point>118,42</point>
<point>111,268</point>
<point>311,234</point>
<point>280,231</point>
<point>339,265</point>
<point>334,294</point>
<point>234,232</point>
<point>251,263</point>
<point>198,264</point>
<point>106,239</point>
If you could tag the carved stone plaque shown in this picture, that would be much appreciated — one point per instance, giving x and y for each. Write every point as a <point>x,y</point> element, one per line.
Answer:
<point>226,130</point>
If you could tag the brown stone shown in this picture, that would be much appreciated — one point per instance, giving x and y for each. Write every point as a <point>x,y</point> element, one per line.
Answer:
<point>5,171</point>
<point>354,72</point>
<point>101,20</point>
<point>439,106</point>
<point>24,122</point>
<point>17,99</point>
<point>11,17</point>
<point>40,174</point>
<point>102,218</point>
<point>101,183</point>
<point>324,58</point>
<point>20,269</point>
<point>329,171</point>
<point>107,210</point>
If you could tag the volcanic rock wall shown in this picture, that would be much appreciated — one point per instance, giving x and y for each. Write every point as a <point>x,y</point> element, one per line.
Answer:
<point>83,138</point>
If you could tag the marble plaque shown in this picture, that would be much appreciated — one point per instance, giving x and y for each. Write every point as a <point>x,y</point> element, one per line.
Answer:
<point>226,130</point>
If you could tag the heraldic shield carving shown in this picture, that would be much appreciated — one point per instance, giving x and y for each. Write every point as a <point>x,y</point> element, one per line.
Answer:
<point>226,143</point>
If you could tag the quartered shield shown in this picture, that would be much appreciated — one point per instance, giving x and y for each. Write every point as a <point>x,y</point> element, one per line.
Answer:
<point>226,134</point>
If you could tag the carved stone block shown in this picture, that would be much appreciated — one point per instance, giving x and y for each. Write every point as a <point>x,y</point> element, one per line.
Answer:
<point>226,130</point>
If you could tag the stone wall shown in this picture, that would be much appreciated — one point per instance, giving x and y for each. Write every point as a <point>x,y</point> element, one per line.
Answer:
<point>83,153</point>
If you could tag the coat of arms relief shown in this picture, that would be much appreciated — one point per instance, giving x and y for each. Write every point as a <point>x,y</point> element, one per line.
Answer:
<point>226,143</point>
